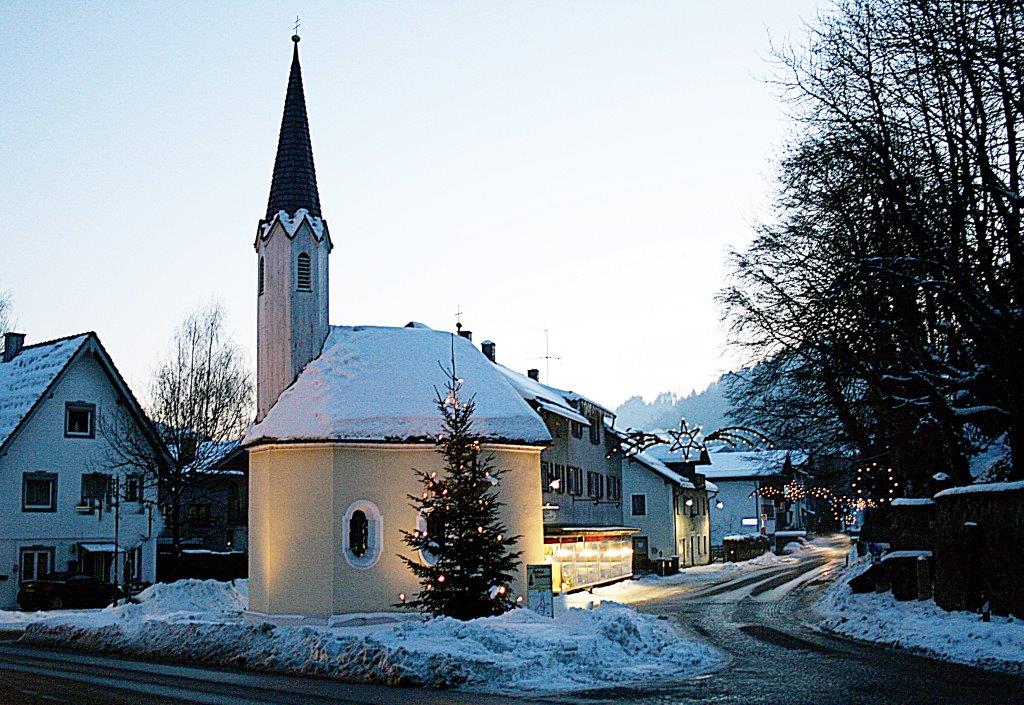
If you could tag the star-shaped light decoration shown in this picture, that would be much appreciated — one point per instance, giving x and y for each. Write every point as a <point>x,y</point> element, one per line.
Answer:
<point>685,439</point>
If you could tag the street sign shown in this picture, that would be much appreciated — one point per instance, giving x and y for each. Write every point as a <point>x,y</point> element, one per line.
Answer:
<point>539,589</point>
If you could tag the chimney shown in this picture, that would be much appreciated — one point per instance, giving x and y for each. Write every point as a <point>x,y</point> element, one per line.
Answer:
<point>488,347</point>
<point>533,374</point>
<point>12,345</point>
<point>467,334</point>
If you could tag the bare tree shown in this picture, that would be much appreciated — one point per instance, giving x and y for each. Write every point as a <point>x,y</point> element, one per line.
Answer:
<point>5,311</point>
<point>200,401</point>
<point>883,303</point>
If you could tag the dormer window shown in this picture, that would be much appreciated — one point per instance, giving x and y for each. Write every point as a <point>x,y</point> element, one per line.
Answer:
<point>260,275</point>
<point>304,273</point>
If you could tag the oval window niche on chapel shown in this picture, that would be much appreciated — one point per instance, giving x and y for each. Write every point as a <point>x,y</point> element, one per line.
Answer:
<point>363,534</point>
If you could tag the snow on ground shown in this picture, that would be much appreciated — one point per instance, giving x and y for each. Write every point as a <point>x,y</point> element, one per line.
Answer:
<point>204,622</point>
<point>653,587</point>
<point>923,627</point>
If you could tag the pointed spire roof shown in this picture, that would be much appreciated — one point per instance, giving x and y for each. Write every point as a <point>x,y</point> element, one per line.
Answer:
<point>294,183</point>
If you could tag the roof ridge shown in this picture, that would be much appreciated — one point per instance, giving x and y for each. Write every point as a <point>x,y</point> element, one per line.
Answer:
<point>62,339</point>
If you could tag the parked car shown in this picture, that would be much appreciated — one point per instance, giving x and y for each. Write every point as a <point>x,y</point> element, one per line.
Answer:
<point>61,590</point>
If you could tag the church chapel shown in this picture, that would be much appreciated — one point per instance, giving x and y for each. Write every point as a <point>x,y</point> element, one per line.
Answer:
<point>346,413</point>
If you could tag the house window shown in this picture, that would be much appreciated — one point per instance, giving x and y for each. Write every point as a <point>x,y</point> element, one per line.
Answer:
<point>595,484</point>
<point>595,431</point>
<point>95,488</point>
<point>39,492</point>
<point>133,488</point>
<point>363,529</point>
<point>574,476</point>
<point>36,562</point>
<point>79,420</point>
<point>200,515</point>
<point>260,276</point>
<point>133,564</point>
<point>577,429</point>
<point>559,474</point>
<point>304,274</point>
<point>614,489</point>
<point>639,508</point>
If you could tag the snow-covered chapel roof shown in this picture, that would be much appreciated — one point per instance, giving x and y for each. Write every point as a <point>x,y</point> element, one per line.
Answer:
<point>25,379</point>
<point>375,383</point>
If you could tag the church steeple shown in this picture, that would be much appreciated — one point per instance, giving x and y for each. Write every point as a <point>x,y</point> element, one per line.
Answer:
<point>292,252</point>
<point>294,182</point>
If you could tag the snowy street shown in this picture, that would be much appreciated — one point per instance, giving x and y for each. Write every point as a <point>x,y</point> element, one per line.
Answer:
<point>762,614</point>
<point>764,619</point>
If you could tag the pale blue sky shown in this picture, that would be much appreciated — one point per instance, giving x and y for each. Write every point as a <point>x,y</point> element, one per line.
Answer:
<point>576,166</point>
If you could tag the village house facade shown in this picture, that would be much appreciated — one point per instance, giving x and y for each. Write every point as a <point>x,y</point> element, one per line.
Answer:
<point>585,538</point>
<point>672,513</point>
<point>345,415</point>
<point>214,511</point>
<point>61,488</point>
<point>739,477</point>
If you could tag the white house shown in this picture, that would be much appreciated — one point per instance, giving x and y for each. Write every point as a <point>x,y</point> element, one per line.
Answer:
<point>739,477</point>
<point>670,510</point>
<point>346,413</point>
<point>57,508</point>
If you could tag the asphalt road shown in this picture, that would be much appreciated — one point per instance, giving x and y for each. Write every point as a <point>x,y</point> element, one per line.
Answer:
<point>761,619</point>
<point>30,676</point>
<point>778,658</point>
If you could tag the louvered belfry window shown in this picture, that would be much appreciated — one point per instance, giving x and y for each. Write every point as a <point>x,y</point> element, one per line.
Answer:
<point>261,276</point>
<point>304,277</point>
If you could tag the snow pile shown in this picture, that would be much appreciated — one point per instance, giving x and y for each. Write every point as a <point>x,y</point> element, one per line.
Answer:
<point>202,622</point>
<point>187,597</point>
<point>373,383</point>
<point>923,627</point>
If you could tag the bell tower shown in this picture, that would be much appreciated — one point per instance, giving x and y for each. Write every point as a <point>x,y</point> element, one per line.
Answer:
<point>292,248</point>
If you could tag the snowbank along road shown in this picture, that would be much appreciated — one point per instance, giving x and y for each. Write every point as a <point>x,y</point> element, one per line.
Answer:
<point>760,613</point>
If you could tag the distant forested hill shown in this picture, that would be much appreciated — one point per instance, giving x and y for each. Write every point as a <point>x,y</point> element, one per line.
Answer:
<point>709,409</point>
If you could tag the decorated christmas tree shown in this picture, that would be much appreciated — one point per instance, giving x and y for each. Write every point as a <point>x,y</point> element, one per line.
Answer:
<point>465,562</point>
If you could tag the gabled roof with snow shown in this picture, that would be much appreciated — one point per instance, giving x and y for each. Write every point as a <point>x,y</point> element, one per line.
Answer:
<point>750,464</point>
<point>378,384</point>
<point>25,379</point>
<point>646,459</point>
<point>552,400</point>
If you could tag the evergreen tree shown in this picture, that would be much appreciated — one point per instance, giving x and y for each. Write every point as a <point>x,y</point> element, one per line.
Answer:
<point>472,563</point>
